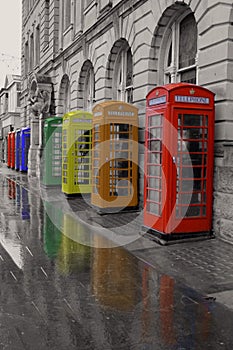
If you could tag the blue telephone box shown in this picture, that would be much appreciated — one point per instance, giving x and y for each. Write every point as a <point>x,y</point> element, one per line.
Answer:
<point>24,148</point>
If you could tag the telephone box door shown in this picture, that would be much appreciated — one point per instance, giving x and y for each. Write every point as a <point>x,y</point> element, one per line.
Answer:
<point>192,165</point>
<point>155,156</point>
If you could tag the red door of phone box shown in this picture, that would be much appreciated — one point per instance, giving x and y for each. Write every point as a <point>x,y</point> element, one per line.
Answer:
<point>9,149</point>
<point>12,150</point>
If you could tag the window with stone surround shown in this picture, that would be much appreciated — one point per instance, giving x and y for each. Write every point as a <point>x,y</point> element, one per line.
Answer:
<point>86,86</point>
<point>26,58</point>
<point>46,23</point>
<point>123,76</point>
<point>180,61</point>
<point>67,13</point>
<point>18,87</point>
<point>89,89</point>
<point>37,46</point>
<point>31,53</point>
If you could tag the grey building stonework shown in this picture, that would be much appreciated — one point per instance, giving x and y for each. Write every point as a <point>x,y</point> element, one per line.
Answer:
<point>96,50</point>
<point>9,111</point>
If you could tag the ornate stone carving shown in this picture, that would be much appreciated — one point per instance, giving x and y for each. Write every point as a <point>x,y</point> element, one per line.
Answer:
<point>39,102</point>
<point>39,97</point>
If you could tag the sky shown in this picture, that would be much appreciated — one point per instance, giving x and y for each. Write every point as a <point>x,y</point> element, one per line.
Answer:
<point>10,38</point>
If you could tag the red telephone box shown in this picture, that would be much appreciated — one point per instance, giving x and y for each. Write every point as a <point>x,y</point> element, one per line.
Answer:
<point>179,155</point>
<point>12,150</point>
<point>9,149</point>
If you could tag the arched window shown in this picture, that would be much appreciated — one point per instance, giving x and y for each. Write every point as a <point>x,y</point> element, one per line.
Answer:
<point>64,105</point>
<point>67,13</point>
<point>123,76</point>
<point>89,89</point>
<point>46,23</point>
<point>181,51</point>
<point>86,87</point>
<point>37,46</point>
<point>67,98</point>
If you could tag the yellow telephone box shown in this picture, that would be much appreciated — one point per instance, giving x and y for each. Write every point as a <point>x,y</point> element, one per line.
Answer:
<point>114,156</point>
<point>76,152</point>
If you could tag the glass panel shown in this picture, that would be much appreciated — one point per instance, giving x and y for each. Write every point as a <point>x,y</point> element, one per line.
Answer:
<point>155,145</point>
<point>155,120</point>
<point>154,196</point>
<point>155,158</point>
<point>190,211</point>
<point>188,41</point>
<point>204,211</point>
<point>169,59</point>
<point>153,208</point>
<point>188,76</point>
<point>154,182</point>
<point>154,170</point>
<point>191,160</point>
<point>192,120</point>
<point>155,133</point>
<point>120,164</point>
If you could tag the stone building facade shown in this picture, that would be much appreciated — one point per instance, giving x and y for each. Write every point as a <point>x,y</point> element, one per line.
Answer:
<point>9,110</point>
<point>82,52</point>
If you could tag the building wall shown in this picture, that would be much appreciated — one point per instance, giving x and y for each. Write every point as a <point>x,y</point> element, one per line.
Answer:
<point>9,111</point>
<point>96,32</point>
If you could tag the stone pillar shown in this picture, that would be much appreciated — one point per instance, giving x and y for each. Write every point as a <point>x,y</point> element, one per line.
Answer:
<point>40,100</point>
<point>34,143</point>
<point>39,154</point>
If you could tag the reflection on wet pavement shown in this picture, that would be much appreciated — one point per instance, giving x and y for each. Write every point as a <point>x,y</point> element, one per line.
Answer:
<point>58,293</point>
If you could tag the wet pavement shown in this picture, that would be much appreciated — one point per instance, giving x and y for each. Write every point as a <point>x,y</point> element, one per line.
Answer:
<point>72,279</point>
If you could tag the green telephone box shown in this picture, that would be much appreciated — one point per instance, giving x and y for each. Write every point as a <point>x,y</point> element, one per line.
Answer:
<point>52,152</point>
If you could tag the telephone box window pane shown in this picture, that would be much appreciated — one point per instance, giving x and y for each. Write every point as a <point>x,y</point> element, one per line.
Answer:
<point>195,198</point>
<point>154,170</point>
<point>204,159</point>
<point>155,145</point>
<point>186,185</point>
<point>154,196</point>
<point>204,197</point>
<point>155,158</point>
<point>204,211</point>
<point>155,120</point>
<point>120,165</point>
<point>191,160</point>
<point>184,198</point>
<point>197,172</point>
<point>190,211</point>
<point>153,208</point>
<point>185,172</point>
<point>155,133</point>
<point>154,182</point>
<point>192,120</point>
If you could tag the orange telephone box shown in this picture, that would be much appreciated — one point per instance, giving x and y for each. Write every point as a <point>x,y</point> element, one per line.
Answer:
<point>114,156</point>
<point>179,156</point>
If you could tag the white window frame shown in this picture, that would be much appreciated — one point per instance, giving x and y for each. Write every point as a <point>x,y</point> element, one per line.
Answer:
<point>120,89</point>
<point>89,89</point>
<point>172,73</point>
